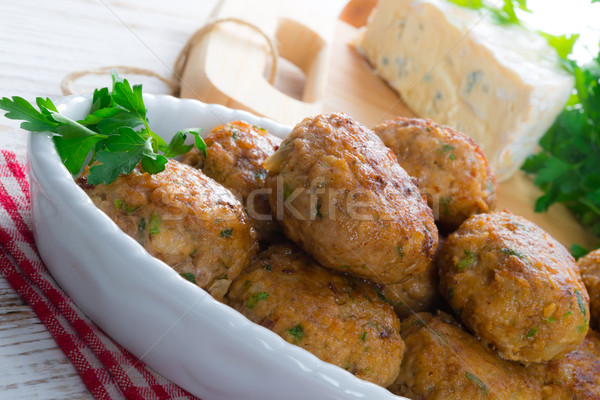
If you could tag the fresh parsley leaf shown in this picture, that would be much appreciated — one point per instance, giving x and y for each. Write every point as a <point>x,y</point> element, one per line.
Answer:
<point>503,15</point>
<point>116,119</point>
<point>578,251</point>
<point>112,165</point>
<point>199,142</point>
<point>68,129</point>
<point>115,133</point>
<point>563,43</point>
<point>567,168</point>
<point>74,151</point>
<point>177,145</point>
<point>154,163</point>
<point>101,99</point>
<point>46,106</point>
<point>129,98</point>
<point>19,108</point>
<point>473,4</point>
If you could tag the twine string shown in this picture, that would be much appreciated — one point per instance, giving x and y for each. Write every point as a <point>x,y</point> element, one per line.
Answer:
<point>175,82</point>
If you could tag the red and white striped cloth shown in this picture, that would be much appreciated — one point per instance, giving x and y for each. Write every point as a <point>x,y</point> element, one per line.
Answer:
<point>108,370</point>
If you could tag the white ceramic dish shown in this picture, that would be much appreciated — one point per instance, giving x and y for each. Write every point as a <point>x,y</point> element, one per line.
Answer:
<point>179,330</point>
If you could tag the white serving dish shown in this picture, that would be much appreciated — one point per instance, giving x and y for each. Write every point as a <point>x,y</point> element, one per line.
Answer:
<point>178,329</point>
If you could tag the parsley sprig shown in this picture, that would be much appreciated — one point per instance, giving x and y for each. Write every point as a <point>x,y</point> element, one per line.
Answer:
<point>115,135</point>
<point>504,15</point>
<point>567,167</point>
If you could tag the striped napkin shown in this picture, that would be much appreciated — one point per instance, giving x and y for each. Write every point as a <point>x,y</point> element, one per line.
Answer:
<point>108,370</point>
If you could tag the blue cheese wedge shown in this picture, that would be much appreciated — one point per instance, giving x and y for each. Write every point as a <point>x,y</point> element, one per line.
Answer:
<point>500,84</point>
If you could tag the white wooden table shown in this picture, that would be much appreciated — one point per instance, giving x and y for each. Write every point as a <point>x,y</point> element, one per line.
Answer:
<point>40,42</point>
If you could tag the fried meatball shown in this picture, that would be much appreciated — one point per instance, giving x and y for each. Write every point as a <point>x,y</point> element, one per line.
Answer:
<point>337,318</point>
<point>442,361</point>
<point>575,376</point>
<point>342,196</point>
<point>183,218</point>
<point>514,286</point>
<point>589,266</point>
<point>235,153</point>
<point>450,169</point>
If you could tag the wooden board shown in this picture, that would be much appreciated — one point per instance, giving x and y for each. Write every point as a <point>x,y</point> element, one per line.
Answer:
<point>352,87</point>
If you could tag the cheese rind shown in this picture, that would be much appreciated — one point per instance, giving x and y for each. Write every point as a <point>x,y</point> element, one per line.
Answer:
<point>500,84</point>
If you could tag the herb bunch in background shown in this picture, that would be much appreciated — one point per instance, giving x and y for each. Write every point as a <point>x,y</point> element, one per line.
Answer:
<point>506,14</point>
<point>115,133</point>
<point>567,168</point>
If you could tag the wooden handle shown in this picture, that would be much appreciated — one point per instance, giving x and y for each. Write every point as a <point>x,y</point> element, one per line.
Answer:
<point>228,65</point>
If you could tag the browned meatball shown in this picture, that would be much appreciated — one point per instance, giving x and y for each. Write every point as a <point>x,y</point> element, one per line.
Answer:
<point>514,286</point>
<point>442,361</point>
<point>589,266</point>
<point>183,218</point>
<point>575,376</point>
<point>235,155</point>
<point>335,317</point>
<point>451,170</point>
<point>342,196</point>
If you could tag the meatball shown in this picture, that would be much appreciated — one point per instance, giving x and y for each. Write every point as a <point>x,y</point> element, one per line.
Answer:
<point>589,266</point>
<point>575,376</point>
<point>442,361</point>
<point>514,286</point>
<point>337,318</point>
<point>450,169</point>
<point>235,155</point>
<point>183,218</point>
<point>342,196</point>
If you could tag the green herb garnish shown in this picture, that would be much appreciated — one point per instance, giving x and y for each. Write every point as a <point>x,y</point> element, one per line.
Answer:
<point>115,133</point>
<point>189,276</point>
<point>154,224</point>
<point>445,202</point>
<point>121,205</point>
<point>566,168</point>
<point>504,15</point>
<point>400,251</point>
<point>267,267</point>
<point>469,259</point>
<point>512,252</point>
<point>363,336</point>
<point>477,381</point>
<point>255,298</point>
<point>532,332</point>
<point>226,233</point>
<point>296,332</point>
<point>580,303</point>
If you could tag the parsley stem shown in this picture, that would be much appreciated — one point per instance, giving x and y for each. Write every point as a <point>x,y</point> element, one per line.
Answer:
<point>591,205</point>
